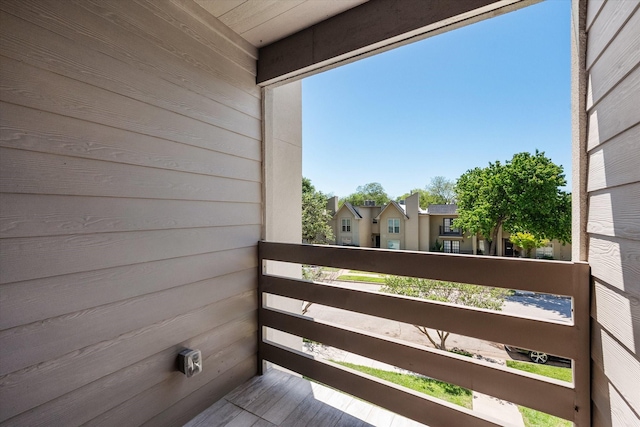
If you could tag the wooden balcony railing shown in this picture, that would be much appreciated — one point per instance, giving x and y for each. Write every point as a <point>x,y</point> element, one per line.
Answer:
<point>570,340</point>
<point>449,231</point>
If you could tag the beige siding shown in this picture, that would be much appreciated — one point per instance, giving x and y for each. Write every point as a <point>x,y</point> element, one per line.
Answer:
<point>130,208</point>
<point>613,46</point>
<point>391,213</point>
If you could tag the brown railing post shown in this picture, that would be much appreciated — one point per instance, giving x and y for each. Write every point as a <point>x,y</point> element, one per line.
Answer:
<point>582,363</point>
<point>259,310</point>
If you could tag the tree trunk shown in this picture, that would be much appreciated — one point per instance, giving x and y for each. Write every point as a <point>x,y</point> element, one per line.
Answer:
<point>494,239</point>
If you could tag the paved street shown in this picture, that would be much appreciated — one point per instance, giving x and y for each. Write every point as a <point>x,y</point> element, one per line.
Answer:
<point>536,306</point>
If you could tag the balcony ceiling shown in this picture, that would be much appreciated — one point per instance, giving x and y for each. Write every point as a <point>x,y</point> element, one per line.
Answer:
<point>261,22</point>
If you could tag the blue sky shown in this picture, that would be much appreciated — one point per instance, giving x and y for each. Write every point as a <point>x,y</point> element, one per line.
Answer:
<point>443,105</point>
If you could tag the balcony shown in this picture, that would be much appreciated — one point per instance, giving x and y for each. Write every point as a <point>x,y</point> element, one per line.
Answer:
<point>450,232</point>
<point>566,400</point>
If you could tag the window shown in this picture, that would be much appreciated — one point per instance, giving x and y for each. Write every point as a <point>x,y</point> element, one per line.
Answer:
<point>394,226</point>
<point>346,225</point>
<point>448,226</point>
<point>545,251</point>
<point>393,244</point>
<point>451,246</point>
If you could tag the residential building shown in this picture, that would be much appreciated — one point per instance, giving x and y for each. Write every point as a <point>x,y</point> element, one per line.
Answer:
<point>148,150</point>
<point>404,225</point>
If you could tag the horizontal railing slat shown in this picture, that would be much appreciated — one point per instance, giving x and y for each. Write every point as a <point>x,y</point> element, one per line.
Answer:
<point>416,406</point>
<point>550,397</point>
<point>552,277</point>
<point>553,338</point>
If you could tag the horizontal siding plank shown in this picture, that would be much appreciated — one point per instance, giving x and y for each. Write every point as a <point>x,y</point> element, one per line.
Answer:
<point>32,87</point>
<point>206,30</point>
<point>612,17</point>
<point>137,20</point>
<point>616,112</point>
<point>593,9</point>
<point>90,30</point>
<point>552,277</point>
<point>40,299</point>
<point>49,51</point>
<point>34,343</point>
<point>203,12</point>
<point>621,368</point>
<point>55,134</point>
<point>91,400</point>
<point>614,212</point>
<point>403,401</point>
<point>251,14</point>
<point>37,257</point>
<point>616,262</point>
<point>189,396</point>
<point>610,408</point>
<point>38,173</point>
<point>618,313</point>
<point>554,338</point>
<point>553,398</point>
<point>38,215</point>
<point>622,55</point>
<point>31,387</point>
<point>615,162</point>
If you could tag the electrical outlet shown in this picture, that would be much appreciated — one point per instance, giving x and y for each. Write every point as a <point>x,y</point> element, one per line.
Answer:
<point>190,362</point>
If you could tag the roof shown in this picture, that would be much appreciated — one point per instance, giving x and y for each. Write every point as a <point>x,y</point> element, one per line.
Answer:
<point>351,209</point>
<point>398,206</point>
<point>448,209</point>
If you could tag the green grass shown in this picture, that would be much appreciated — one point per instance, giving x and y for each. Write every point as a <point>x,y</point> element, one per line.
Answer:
<point>531,417</point>
<point>558,373</point>
<point>445,391</point>
<point>329,269</point>
<point>361,272</point>
<point>364,279</point>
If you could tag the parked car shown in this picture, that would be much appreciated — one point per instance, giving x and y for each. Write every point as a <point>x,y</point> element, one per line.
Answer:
<point>536,356</point>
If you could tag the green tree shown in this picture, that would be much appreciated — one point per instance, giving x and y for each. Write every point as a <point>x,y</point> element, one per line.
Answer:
<point>527,241</point>
<point>437,290</point>
<point>425,197</point>
<point>315,217</point>
<point>372,191</point>
<point>521,194</point>
<point>442,190</point>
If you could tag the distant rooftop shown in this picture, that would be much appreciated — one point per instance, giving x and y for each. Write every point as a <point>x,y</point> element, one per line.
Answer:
<point>443,209</point>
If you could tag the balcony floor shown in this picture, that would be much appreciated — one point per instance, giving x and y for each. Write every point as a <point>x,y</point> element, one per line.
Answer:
<point>281,399</point>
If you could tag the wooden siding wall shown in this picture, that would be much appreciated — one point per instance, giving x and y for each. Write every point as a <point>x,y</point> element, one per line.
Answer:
<point>130,152</point>
<point>613,107</point>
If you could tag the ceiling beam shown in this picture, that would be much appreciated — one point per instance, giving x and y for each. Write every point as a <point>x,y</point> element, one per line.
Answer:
<point>367,29</point>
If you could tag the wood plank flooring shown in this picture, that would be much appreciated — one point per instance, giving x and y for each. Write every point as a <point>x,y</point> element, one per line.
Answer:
<point>284,400</point>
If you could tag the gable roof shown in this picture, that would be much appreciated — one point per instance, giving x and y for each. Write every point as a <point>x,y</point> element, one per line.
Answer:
<point>396,205</point>
<point>351,209</point>
<point>448,209</point>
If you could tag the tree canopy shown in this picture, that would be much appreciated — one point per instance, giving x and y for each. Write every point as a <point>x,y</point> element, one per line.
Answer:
<point>372,191</point>
<point>527,241</point>
<point>442,190</point>
<point>439,191</point>
<point>425,197</point>
<point>315,217</point>
<point>522,194</point>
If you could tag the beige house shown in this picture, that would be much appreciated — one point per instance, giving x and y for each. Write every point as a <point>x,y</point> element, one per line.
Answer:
<point>150,168</point>
<point>404,225</point>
